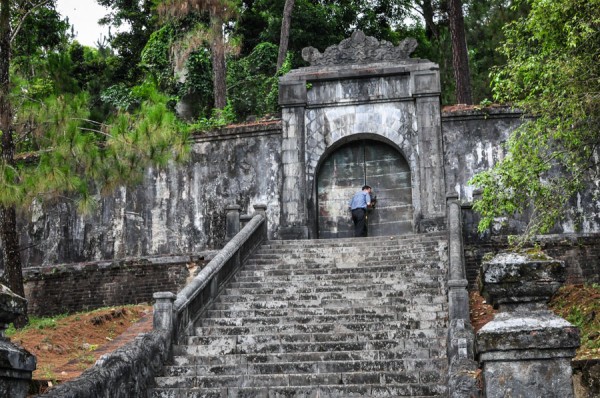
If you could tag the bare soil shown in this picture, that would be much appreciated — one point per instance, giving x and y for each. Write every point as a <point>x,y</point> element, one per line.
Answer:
<point>66,346</point>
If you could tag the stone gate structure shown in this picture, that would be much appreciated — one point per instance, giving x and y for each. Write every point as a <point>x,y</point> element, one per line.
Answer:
<point>360,89</point>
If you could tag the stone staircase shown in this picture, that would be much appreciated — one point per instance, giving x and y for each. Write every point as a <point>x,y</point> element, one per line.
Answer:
<point>323,318</point>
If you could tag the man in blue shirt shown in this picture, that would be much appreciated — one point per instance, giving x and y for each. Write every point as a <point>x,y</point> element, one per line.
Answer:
<point>358,205</point>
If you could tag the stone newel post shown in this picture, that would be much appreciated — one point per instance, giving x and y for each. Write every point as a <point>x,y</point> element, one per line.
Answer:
<point>16,364</point>
<point>525,350</point>
<point>232,226</point>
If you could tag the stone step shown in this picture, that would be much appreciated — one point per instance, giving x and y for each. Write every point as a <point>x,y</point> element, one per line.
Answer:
<point>413,357</point>
<point>352,322</point>
<point>310,254</point>
<point>302,312</point>
<point>395,378</point>
<point>391,282</point>
<point>359,242</point>
<point>414,300</point>
<point>412,291</point>
<point>343,335</point>
<point>321,391</point>
<point>326,276</point>
<point>401,263</point>
<point>325,318</point>
<point>415,251</point>
<point>237,288</point>
<point>399,329</point>
<point>317,367</point>
<point>265,344</point>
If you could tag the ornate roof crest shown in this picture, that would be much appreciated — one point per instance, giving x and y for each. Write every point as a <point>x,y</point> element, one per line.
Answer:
<point>360,49</point>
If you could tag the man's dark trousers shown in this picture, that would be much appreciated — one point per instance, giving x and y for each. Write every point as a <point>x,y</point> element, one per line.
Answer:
<point>360,225</point>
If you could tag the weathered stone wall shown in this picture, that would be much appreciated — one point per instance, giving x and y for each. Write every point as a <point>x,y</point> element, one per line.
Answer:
<point>174,211</point>
<point>580,252</point>
<point>181,210</point>
<point>473,143</point>
<point>60,289</point>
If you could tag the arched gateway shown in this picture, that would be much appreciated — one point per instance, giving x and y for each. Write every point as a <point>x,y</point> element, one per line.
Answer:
<point>368,91</point>
<point>345,170</point>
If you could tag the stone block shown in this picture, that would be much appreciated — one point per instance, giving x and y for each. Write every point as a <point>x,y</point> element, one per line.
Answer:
<point>292,92</point>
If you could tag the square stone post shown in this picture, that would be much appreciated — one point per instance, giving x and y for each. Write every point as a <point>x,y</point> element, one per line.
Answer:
<point>16,363</point>
<point>426,91</point>
<point>163,310</point>
<point>232,221</point>
<point>525,350</point>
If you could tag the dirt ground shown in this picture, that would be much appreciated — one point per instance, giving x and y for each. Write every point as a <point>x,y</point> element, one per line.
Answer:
<point>67,346</point>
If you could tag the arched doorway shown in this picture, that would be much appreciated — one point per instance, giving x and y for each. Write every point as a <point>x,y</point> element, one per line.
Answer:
<point>350,167</point>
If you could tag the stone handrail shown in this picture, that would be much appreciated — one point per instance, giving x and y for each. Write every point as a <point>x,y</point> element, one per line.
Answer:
<point>130,370</point>
<point>194,298</point>
<point>461,339</point>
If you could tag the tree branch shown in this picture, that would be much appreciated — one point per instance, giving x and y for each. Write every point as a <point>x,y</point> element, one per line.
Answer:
<point>16,31</point>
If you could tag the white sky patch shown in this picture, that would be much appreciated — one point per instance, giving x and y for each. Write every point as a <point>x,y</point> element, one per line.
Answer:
<point>84,16</point>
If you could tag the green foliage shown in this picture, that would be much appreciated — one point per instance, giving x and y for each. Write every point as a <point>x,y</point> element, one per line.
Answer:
<point>218,118</point>
<point>120,97</point>
<point>552,73</point>
<point>76,156</point>
<point>253,81</point>
<point>198,81</point>
<point>155,56</point>
<point>141,18</point>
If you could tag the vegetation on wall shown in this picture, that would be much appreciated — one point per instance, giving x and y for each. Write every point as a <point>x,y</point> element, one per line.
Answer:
<point>552,73</point>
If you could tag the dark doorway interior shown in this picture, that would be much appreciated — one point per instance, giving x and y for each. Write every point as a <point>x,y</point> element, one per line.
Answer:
<point>350,167</point>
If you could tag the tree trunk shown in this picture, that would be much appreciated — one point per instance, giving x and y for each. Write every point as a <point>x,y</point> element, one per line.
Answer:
<point>431,30</point>
<point>8,225</point>
<point>460,57</point>
<point>218,62</point>
<point>285,32</point>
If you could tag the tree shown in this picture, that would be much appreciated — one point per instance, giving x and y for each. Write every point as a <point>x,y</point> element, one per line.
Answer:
<point>220,11</point>
<point>8,222</point>
<point>553,74</point>
<point>484,22</point>
<point>52,148</point>
<point>285,32</point>
<point>140,19</point>
<point>460,56</point>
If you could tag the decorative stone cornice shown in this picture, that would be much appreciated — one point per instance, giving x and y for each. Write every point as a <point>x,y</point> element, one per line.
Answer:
<point>360,49</point>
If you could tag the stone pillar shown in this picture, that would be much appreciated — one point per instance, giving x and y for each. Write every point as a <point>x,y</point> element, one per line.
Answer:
<point>232,222</point>
<point>525,350</point>
<point>461,338</point>
<point>261,209</point>
<point>426,91</point>
<point>292,98</point>
<point>163,310</point>
<point>16,363</point>
<point>458,297</point>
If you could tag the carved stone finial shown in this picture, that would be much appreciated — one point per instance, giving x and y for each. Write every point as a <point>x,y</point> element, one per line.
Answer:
<point>360,49</point>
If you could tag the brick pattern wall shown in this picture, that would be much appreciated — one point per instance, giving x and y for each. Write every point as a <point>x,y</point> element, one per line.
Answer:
<point>70,288</point>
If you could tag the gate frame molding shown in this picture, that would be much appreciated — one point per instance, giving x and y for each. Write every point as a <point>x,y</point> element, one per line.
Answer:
<point>336,101</point>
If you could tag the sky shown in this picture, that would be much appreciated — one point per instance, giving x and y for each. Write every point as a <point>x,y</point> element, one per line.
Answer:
<point>84,15</point>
